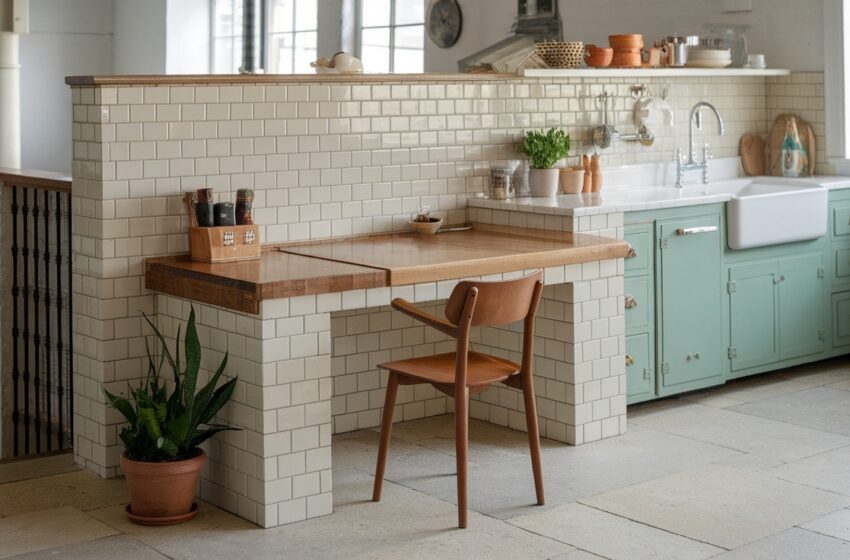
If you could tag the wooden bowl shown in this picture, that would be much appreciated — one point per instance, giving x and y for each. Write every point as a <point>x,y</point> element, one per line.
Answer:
<point>626,60</point>
<point>626,41</point>
<point>428,228</point>
<point>598,57</point>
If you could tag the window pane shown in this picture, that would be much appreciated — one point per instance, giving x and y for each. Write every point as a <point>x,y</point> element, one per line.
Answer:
<point>237,54</point>
<point>408,61</point>
<point>223,58</point>
<point>223,18</point>
<point>280,53</point>
<point>280,15</point>
<point>409,11</point>
<point>412,37</point>
<point>374,13</point>
<point>305,52</point>
<point>237,17</point>
<point>306,15</point>
<point>375,48</point>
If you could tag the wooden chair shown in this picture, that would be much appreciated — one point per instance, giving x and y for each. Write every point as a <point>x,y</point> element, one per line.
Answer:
<point>461,373</point>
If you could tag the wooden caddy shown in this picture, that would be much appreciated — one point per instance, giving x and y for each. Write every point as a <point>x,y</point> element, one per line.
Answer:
<point>225,243</point>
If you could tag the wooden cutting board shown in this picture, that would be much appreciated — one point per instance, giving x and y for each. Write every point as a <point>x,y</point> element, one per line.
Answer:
<point>752,151</point>
<point>777,136</point>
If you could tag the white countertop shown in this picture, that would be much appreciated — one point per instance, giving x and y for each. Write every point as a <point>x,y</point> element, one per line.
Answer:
<point>636,198</point>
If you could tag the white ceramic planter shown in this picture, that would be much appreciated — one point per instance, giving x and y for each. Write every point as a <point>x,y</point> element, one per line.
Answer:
<point>543,182</point>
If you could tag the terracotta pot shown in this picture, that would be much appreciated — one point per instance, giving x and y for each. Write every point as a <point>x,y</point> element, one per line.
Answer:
<point>162,493</point>
<point>543,182</point>
<point>572,180</point>
<point>598,57</point>
<point>634,41</point>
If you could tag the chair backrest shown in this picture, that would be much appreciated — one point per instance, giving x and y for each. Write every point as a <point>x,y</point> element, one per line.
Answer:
<point>498,303</point>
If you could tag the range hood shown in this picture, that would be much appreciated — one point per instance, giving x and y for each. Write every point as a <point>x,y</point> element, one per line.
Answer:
<point>537,20</point>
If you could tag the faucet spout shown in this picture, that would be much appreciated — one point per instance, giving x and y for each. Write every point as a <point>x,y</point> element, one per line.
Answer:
<point>695,120</point>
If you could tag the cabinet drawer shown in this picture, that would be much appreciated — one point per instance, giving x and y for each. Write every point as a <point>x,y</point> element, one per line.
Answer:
<point>841,219</point>
<point>641,242</point>
<point>842,264</point>
<point>640,381</point>
<point>639,307</point>
<point>841,319</point>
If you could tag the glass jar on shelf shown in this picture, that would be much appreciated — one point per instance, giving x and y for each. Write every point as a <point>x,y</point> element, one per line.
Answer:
<point>501,184</point>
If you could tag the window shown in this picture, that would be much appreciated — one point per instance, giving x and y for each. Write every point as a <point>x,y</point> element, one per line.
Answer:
<point>392,35</point>
<point>226,36</point>
<point>292,36</point>
<point>291,31</point>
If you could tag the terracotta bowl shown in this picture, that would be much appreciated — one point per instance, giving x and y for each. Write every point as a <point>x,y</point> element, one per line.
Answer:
<point>598,57</point>
<point>619,42</point>
<point>626,60</point>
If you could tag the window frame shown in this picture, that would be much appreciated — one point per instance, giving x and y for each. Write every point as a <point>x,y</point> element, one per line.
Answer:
<point>359,27</point>
<point>214,37</point>
<point>267,33</point>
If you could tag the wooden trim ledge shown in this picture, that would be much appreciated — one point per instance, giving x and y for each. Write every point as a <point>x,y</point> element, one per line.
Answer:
<point>48,180</point>
<point>222,79</point>
<point>373,262</point>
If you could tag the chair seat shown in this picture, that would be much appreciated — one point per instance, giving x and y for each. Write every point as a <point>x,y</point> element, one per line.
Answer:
<point>482,369</point>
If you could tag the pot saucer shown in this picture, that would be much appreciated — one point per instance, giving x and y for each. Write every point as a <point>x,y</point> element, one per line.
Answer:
<point>170,520</point>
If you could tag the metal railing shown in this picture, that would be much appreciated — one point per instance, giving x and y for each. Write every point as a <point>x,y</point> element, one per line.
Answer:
<point>36,371</point>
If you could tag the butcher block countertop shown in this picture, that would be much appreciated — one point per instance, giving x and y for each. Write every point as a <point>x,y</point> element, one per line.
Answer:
<point>372,262</point>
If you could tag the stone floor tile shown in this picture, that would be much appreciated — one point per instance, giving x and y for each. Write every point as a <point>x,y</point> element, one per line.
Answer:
<point>505,488</point>
<point>827,471</point>
<point>792,544</point>
<point>758,387</point>
<point>835,524</point>
<point>80,489</point>
<point>578,555</point>
<point>719,505</point>
<point>819,373</point>
<point>612,536</point>
<point>819,408</point>
<point>843,385</point>
<point>48,528</point>
<point>744,432</point>
<point>750,462</point>
<point>36,467</point>
<point>109,548</point>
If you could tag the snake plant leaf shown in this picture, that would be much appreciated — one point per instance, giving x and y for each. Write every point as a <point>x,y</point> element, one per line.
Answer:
<point>218,400</point>
<point>167,446</point>
<point>147,420</point>
<point>203,435</point>
<point>178,426</point>
<point>192,346</point>
<point>202,399</point>
<point>123,406</point>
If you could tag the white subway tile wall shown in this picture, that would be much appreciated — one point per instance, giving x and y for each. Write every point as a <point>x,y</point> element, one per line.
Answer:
<point>324,160</point>
<point>801,93</point>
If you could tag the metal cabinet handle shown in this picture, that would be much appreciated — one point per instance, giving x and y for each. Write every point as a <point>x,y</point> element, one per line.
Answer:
<point>632,253</point>
<point>646,373</point>
<point>630,301</point>
<point>695,230</point>
<point>630,360</point>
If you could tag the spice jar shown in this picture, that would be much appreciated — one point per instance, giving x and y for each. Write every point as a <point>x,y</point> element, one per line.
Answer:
<point>500,183</point>
<point>224,214</point>
<point>244,207</point>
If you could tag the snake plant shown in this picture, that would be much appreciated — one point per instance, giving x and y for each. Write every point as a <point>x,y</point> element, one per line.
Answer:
<point>171,427</point>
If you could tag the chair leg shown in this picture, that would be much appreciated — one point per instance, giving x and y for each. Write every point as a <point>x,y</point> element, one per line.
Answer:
<point>533,436</point>
<point>386,429</point>
<point>462,449</point>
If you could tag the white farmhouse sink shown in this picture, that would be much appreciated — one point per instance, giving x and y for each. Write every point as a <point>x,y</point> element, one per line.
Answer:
<point>772,210</point>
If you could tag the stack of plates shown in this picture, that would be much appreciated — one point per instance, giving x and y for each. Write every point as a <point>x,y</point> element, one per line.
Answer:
<point>709,58</point>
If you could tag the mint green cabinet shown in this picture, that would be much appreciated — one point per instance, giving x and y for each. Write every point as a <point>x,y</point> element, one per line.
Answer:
<point>639,303</point>
<point>753,316</point>
<point>801,313</point>
<point>640,381</point>
<point>776,310</point>
<point>689,303</point>
<point>840,319</point>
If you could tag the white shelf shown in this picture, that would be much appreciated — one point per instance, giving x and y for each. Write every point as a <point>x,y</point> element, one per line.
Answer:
<point>651,72</point>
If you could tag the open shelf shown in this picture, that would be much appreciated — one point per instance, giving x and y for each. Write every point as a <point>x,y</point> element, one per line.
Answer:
<point>650,72</point>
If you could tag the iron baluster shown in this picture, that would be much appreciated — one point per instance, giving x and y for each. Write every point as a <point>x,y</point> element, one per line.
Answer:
<point>70,319</point>
<point>25,253</point>
<point>15,334</point>
<point>36,289</point>
<point>48,429</point>
<point>60,391</point>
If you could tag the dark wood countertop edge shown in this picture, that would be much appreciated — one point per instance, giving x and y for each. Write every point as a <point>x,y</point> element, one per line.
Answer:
<point>271,79</point>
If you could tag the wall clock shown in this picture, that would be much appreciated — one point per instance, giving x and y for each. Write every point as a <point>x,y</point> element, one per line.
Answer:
<point>444,22</point>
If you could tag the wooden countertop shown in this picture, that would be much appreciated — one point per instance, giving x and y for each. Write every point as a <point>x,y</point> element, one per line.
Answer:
<point>372,262</point>
<point>49,180</point>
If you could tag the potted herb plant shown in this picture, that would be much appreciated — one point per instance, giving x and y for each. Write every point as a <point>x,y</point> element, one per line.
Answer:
<point>544,149</point>
<point>162,457</point>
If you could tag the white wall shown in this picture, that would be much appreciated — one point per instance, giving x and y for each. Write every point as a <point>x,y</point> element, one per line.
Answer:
<point>67,37</point>
<point>789,32</point>
<point>140,32</point>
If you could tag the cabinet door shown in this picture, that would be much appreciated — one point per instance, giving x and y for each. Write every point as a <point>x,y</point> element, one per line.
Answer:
<point>690,297</point>
<point>801,301</point>
<point>640,381</point>
<point>753,310</point>
<point>840,320</point>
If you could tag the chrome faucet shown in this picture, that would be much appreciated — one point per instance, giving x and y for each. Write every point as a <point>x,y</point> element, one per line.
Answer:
<point>682,166</point>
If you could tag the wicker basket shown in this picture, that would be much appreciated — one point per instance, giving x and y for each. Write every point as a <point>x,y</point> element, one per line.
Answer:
<point>561,55</point>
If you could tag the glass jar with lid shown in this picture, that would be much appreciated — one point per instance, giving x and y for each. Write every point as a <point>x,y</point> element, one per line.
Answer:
<point>501,184</point>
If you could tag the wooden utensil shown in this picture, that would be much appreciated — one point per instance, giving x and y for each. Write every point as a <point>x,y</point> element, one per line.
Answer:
<point>752,151</point>
<point>189,200</point>
<point>588,176</point>
<point>777,136</point>
<point>596,171</point>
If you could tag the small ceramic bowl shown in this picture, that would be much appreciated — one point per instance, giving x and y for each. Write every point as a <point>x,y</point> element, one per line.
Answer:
<point>598,57</point>
<point>428,228</point>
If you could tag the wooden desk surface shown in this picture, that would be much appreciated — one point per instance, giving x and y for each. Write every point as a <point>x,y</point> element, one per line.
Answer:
<point>372,262</point>
<point>411,258</point>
